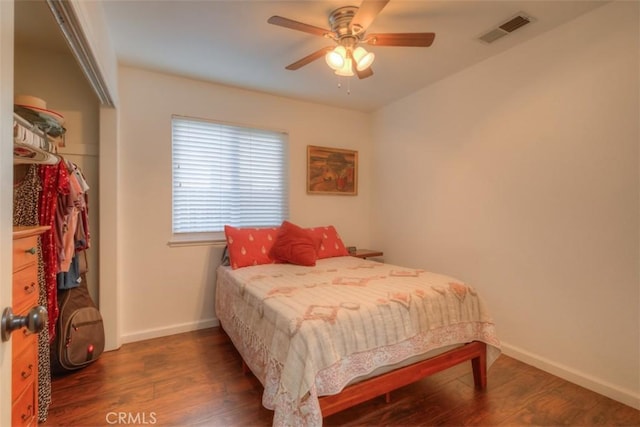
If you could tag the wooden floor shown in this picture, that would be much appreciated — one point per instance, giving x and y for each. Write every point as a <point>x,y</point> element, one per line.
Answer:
<point>196,379</point>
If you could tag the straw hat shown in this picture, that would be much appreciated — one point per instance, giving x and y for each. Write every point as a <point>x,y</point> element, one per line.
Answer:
<point>39,106</point>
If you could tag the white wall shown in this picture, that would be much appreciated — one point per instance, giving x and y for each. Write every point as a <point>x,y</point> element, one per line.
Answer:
<point>520,176</point>
<point>170,289</point>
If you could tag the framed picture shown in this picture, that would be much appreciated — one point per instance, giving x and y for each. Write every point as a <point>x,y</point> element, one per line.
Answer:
<point>332,171</point>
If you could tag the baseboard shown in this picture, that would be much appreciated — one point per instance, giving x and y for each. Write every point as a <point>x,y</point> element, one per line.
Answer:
<point>628,397</point>
<point>169,330</point>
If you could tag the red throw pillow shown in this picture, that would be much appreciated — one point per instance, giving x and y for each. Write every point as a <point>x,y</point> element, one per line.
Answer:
<point>294,245</point>
<point>330,243</point>
<point>249,246</point>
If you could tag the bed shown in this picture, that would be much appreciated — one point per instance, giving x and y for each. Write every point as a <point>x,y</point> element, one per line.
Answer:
<point>325,337</point>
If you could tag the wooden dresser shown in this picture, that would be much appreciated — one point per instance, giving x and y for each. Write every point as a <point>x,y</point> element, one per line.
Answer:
<point>24,378</point>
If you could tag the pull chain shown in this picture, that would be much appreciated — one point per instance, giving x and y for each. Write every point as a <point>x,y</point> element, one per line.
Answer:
<point>348,85</point>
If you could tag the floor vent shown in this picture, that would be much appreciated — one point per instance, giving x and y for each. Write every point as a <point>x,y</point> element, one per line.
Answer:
<point>505,28</point>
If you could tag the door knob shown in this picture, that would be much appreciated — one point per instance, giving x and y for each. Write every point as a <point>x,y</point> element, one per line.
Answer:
<point>34,321</point>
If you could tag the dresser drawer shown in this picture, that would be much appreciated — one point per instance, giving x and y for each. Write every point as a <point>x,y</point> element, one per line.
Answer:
<point>24,345</point>
<point>25,252</point>
<point>22,339</point>
<point>25,290</point>
<point>24,370</point>
<point>24,410</point>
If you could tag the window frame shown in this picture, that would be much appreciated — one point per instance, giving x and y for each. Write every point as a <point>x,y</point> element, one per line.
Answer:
<point>217,238</point>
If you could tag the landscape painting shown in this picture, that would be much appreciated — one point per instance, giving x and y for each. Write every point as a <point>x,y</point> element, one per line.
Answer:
<point>332,171</point>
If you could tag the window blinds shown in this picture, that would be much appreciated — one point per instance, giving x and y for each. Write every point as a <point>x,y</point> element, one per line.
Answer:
<point>225,174</point>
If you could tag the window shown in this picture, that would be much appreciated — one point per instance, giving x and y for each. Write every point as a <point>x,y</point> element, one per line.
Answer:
<point>226,174</point>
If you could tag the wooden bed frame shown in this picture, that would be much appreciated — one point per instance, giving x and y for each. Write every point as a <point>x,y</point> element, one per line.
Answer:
<point>352,395</point>
<point>384,384</point>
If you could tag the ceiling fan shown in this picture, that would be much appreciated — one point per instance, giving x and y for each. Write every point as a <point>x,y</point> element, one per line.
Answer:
<point>348,31</point>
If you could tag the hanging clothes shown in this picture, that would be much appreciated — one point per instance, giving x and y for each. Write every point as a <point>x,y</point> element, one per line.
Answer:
<point>82,237</point>
<point>55,184</point>
<point>69,216</point>
<point>25,198</point>
<point>73,225</point>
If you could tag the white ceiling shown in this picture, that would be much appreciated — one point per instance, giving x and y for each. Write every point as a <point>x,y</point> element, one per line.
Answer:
<point>231,43</point>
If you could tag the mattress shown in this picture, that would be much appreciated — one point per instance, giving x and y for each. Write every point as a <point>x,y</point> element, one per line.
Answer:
<point>310,331</point>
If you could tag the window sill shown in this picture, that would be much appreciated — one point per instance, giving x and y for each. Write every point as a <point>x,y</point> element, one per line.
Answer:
<point>197,239</point>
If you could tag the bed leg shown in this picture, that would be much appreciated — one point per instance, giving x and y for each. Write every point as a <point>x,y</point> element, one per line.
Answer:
<point>479,366</point>
<point>387,397</point>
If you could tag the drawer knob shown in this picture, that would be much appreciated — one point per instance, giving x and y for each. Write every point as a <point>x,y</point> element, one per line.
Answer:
<point>31,251</point>
<point>26,374</point>
<point>29,289</point>
<point>28,415</point>
<point>34,321</point>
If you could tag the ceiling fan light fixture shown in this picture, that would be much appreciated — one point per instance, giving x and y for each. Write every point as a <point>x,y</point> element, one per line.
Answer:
<point>363,58</point>
<point>346,70</point>
<point>348,27</point>
<point>336,58</point>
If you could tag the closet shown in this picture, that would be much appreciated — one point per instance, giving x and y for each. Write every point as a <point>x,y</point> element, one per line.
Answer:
<point>44,67</point>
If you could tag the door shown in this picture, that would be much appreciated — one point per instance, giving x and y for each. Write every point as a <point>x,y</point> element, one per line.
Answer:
<point>6,194</point>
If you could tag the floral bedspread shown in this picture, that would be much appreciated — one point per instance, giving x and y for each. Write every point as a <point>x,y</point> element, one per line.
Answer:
<point>308,331</point>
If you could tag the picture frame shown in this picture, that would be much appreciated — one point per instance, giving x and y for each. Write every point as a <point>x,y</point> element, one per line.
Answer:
<point>332,171</point>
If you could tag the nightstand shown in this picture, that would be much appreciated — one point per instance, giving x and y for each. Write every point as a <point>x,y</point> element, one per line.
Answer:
<point>366,253</point>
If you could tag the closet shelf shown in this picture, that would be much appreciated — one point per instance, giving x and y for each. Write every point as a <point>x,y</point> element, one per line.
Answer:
<point>29,134</point>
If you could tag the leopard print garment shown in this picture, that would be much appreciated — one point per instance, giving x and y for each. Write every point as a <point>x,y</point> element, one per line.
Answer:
<point>25,212</point>
<point>25,198</point>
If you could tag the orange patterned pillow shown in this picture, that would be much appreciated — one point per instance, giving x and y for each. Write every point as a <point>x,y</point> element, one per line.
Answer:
<point>294,245</point>
<point>330,243</point>
<point>249,246</point>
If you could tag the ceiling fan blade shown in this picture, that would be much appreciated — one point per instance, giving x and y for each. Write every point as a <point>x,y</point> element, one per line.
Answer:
<point>295,25</point>
<point>366,13</point>
<point>309,58</point>
<point>367,72</point>
<point>401,39</point>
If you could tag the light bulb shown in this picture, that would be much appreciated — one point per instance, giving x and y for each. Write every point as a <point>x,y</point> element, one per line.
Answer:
<point>336,57</point>
<point>347,69</point>
<point>363,58</point>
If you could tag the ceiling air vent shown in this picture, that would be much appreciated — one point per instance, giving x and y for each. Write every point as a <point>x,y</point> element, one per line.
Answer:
<point>505,28</point>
